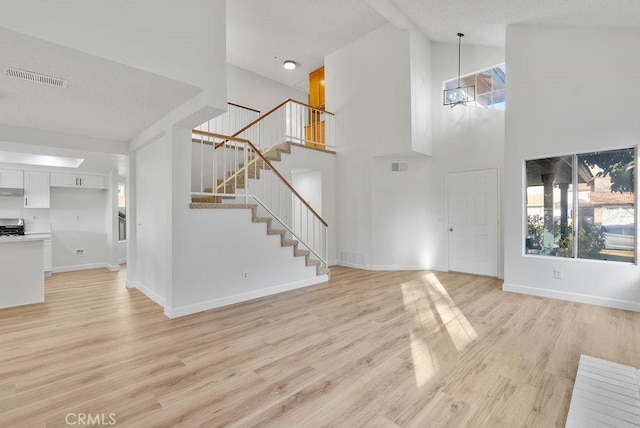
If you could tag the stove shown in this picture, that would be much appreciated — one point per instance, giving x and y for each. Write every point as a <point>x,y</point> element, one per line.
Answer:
<point>11,226</point>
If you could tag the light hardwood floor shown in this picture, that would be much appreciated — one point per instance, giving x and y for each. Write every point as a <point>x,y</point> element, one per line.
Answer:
<point>374,349</point>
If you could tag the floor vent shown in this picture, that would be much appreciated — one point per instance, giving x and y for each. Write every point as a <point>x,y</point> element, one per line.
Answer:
<point>34,77</point>
<point>604,394</point>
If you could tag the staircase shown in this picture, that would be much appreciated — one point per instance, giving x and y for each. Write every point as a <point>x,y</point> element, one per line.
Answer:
<point>235,173</point>
<point>225,196</point>
<point>235,179</point>
<point>271,231</point>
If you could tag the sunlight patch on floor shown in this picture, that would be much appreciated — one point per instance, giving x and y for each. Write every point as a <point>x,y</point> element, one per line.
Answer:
<point>417,301</point>
<point>431,307</point>
<point>458,326</point>
<point>424,364</point>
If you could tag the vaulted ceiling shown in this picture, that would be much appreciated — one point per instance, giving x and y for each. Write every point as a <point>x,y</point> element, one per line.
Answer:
<point>262,34</point>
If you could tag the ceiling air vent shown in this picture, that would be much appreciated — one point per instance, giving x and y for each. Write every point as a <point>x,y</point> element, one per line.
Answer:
<point>34,77</point>
<point>399,166</point>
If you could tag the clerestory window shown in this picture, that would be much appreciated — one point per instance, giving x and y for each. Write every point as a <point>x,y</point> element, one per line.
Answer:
<point>489,84</point>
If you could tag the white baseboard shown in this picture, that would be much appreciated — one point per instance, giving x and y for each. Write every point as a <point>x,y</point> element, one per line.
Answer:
<point>243,297</point>
<point>122,261</point>
<point>155,297</point>
<point>573,297</point>
<point>353,265</point>
<point>399,267</point>
<point>113,268</point>
<point>392,267</point>
<point>60,269</point>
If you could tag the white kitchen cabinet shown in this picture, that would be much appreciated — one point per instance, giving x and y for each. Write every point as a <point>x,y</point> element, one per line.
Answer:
<point>11,178</point>
<point>63,180</point>
<point>88,181</point>
<point>84,181</point>
<point>36,189</point>
<point>48,257</point>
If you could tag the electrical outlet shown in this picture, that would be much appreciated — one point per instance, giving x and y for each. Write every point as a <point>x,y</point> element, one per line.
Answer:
<point>35,217</point>
<point>558,273</point>
<point>80,252</point>
<point>77,218</point>
<point>245,275</point>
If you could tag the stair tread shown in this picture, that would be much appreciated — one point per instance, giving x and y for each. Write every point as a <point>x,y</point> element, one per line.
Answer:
<point>262,219</point>
<point>301,253</point>
<point>276,232</point>
<point>205,205</point>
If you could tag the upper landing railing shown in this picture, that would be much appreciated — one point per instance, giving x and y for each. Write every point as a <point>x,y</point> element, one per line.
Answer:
<point>290,121</point>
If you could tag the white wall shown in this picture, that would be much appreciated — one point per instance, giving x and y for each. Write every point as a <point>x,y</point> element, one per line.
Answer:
<point>420,74</point>
<point>464,138</point>
<point>568,91</point>
<point>368,87</point>
<point>69,234</point>
<point>378,86</point>
<point>257,92</point>
<point>399,231</point>
<point>152,221</point>
<point>324,165</point>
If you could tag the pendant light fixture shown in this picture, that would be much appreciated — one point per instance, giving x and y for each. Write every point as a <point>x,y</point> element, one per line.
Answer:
<point>461,94</point>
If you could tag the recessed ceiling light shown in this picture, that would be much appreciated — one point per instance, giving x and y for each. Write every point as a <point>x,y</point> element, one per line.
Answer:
<point>290,65</point>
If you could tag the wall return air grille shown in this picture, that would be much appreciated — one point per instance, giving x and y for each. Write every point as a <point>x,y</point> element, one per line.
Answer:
<point>34,77</point>
<point>399,167</point>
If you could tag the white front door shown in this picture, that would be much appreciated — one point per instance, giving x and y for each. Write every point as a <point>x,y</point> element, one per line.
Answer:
<point>472,202</point>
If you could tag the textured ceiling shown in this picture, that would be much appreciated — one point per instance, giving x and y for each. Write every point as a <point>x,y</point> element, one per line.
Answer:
<point>307,30</point>
<point>104,99</point>
<point>262,34</point>
<point>484,21</point>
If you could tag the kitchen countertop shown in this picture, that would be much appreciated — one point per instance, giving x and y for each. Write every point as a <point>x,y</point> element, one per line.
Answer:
<point>23,238</point>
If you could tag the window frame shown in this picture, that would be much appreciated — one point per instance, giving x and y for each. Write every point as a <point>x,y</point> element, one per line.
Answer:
<point>474,103</point>
<point>575,200</point>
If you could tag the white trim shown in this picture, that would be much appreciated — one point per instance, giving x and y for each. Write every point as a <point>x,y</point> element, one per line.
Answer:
<point>61,269</point>
<point>573,297</point>
<point>242,297</point>
<point>392,267</point>
<point>155,297</point>
<point>122,261</point>
<point>405,267</point>
<point>353,265</point>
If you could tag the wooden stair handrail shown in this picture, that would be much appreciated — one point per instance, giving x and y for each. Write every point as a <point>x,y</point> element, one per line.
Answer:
<point>244,107</point>
<point>259,153</point>
<point>214,135</point>
<point>235,134</point>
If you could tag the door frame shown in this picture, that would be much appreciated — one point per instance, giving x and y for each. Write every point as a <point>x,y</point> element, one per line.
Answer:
<point>499,210</point>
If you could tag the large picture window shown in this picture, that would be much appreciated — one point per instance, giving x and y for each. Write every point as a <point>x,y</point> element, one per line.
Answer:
<point>582,206</point>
